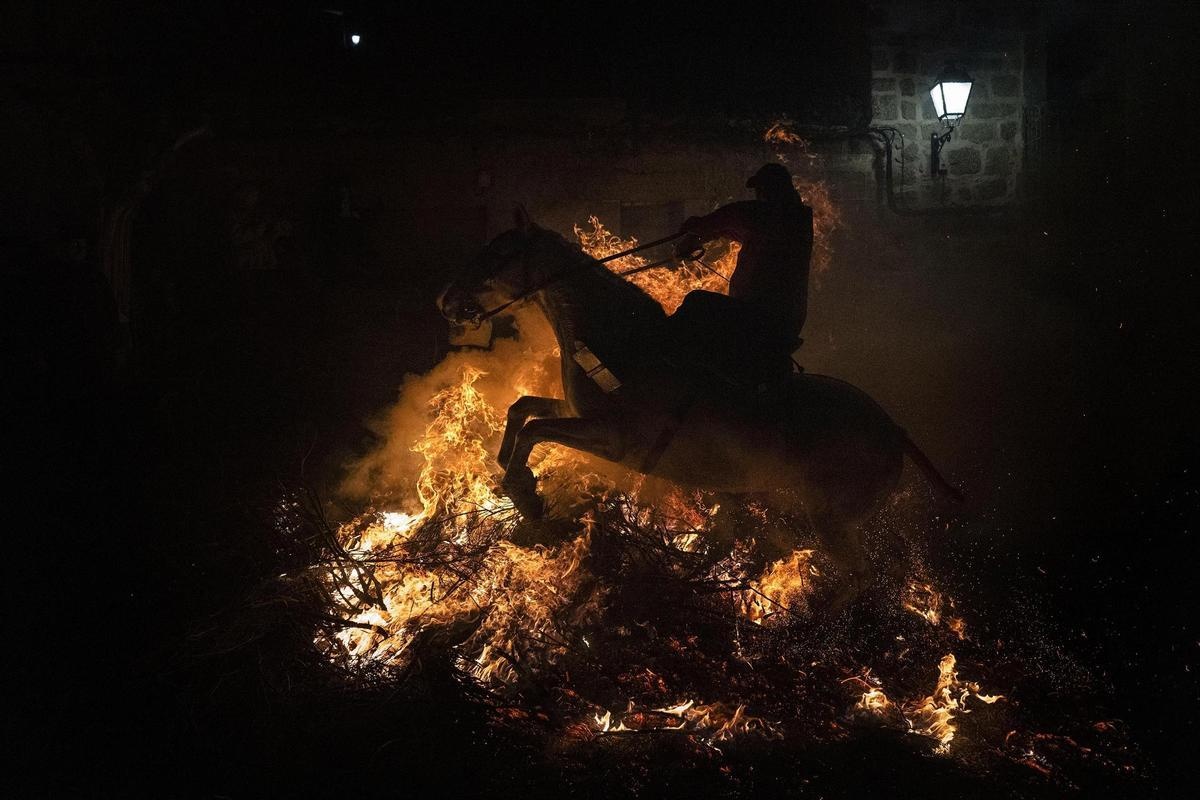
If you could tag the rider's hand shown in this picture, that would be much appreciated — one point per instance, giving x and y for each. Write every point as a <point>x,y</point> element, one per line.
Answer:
<point>689,246</point>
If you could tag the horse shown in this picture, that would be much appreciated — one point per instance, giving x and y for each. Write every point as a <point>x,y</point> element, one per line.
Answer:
<point>821,437</point>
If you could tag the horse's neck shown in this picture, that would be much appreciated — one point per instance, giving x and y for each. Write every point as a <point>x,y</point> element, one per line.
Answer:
<point>582,304</point>
<point>564,307</point>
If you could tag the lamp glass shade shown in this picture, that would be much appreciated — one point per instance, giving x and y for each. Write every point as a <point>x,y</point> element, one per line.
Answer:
<point>950,99</point>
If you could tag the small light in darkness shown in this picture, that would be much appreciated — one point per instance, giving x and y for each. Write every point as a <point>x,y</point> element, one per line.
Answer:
<point>355,39</point>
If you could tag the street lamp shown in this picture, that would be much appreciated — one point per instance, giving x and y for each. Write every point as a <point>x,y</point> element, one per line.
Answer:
<point>949,95</point>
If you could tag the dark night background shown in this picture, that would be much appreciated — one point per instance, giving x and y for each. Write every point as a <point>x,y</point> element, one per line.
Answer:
<point>142,455</point>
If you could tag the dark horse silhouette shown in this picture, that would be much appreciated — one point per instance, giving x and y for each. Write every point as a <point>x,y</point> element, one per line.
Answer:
<point>819,436</point>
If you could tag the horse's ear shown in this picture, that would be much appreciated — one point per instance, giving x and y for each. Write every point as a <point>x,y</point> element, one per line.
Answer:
<point>521,220</point>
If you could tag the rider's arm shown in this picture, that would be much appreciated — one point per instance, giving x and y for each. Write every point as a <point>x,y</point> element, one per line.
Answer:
<point>732,221</point>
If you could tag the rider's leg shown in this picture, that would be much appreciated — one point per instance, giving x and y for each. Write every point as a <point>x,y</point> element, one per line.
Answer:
<point>699,333</point>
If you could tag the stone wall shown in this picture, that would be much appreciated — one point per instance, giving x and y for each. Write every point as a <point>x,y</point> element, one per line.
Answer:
<point>911,43</point>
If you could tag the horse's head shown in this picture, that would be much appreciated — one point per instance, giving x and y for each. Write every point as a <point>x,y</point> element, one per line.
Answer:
<point>504,271</point>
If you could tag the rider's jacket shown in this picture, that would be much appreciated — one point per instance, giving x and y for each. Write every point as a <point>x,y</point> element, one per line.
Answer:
<point>772,268</point>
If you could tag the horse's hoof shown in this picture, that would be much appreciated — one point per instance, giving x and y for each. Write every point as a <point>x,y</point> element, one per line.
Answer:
<point>549,532</point>
<point>532,508</point>
<point>521,487</point>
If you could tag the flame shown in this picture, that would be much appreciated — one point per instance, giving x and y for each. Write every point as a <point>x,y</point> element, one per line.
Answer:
<point>780,133</point>
<point>713,722</point>
<point>931,716</point>
<point>496,600</point>
<point>666,285</point>
<point>875,701</point>
<point>782,589</point>
<point>922,599</point>
<point>795,151</point>
<point>456,460</point>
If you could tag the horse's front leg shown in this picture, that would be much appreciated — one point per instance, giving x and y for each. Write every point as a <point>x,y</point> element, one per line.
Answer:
<point>589,435</point>
<point>519,413</point>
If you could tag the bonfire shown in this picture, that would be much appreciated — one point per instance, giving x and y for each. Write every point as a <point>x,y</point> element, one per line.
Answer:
<point>641,609</point>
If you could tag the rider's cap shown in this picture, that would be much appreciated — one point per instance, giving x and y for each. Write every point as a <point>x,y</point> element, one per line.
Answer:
<point>770,176</point>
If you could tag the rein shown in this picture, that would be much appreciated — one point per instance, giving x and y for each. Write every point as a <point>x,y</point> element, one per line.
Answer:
<point>479,320</point>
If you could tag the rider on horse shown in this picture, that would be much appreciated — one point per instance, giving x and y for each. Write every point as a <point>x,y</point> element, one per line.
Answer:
<point>748,335</point>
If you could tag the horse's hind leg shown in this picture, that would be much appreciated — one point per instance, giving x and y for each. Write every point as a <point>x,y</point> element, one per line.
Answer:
<point>589,435</point>
<point>519,413</point>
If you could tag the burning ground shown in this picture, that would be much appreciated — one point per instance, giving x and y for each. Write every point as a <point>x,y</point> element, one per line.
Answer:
<point>647,638</point>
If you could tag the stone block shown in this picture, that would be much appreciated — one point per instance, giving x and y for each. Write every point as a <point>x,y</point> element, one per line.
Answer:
<point>881,59</point>
<point>992,189</point>
<point>992,110</point>
<point>908,131</point>
<point>1006,85</point>
<point>907,88</point>
<point>883,84</point>
<point>999,160</point>
<point>884,107</point>
<point>979,91</point>
<point>977,131</point>
<point>908,109</point>
<point>963,160</point>
<point>1008,130</point>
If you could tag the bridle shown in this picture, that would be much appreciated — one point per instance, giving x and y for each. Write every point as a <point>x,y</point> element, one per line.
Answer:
<point>479,319</point>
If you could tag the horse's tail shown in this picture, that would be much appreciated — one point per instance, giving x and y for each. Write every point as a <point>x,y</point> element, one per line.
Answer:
<point>940,484</point>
